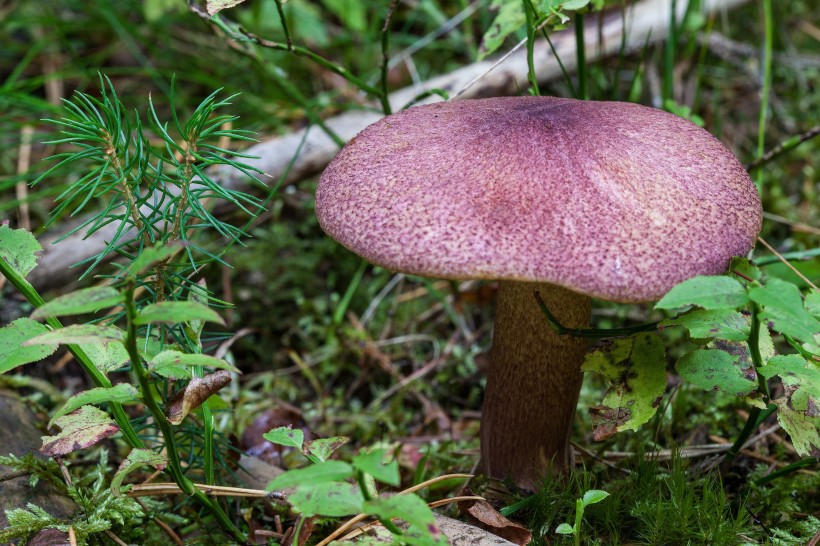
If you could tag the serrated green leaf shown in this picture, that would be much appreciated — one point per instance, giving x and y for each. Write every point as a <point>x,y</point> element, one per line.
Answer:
<point>801,382</point>
<point>713,323</point>
<point>136,459</point>
<point>19,248</point>
<point>107,357</point>
<point>328,471</point>
<point>783,309</point>
<point>86,300</point>
<point>372,462</point>
<point>594,496</point>
<point>410,508</point>
<point>79,334</point>
<point>715,369</point>
<point>176,312</point>
<point>121,393</point>
<point>286,436</point>
<point>636,372</point>
<point>330,498</point>
<point>565,529</point>
<point>323,448</point>
<point>12,337</point>
<point>80,429</point>
<point>813,303</point>
<point>510,18</point>
<point>177,365</point>
<point>802,429</point>
<point>706,292</point>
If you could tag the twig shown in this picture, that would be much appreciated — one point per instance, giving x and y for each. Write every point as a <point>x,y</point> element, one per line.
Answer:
<point>21,188</point>
<point>796,226</point>
<point>783,147</point>
<point>170,488</point>
<point>785,261</point>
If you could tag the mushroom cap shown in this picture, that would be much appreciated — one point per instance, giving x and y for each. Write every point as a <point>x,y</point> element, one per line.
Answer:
<point>614,200</point>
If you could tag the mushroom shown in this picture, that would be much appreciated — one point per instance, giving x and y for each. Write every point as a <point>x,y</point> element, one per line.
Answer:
<point>573,199</point>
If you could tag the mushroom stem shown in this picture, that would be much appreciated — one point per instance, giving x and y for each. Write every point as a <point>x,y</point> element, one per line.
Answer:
<point>533,382</point>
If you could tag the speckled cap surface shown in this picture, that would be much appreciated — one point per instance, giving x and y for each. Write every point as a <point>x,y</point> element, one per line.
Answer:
<point>614,200</point>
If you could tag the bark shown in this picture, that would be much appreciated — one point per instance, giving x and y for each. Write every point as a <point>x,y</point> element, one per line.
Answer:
<point>307,151</point>
<point>533,383</point>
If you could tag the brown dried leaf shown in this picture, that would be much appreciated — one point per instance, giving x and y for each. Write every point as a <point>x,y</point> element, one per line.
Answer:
<point>197,391</point>
<point>82,428</point>
<point>607,420</point>
<point>481,514</point>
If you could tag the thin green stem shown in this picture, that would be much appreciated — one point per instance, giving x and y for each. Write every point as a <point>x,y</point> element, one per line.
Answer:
<point>580,52</point>
<point>579,517</point>
<point>344,304</point>
<point>97,377</point>
<point>591,333</point>
<point>756,415</point>
<point>384,96</point>
<point>786,470</point>
<point>529,10</point>
<point>767,85</point>
<point>149,397</point>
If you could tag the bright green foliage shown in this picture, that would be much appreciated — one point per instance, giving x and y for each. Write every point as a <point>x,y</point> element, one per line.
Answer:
<point>804,430</point>
<point>411,509</point>
<point>321,449</point>
<point>592,496</point>
<point>715,369</point>
<point>121,393</point>
<point>136,458</point>
<point>372,462</point>
<point>813,303</point>
<point>718,323</point>
<point>286,436</point>
<point>174,312</point>
<point>783,309</point>
<point>79,333</point>
<point>635,369</point>
<point>177,365</point>
<point>18,248</point>
<point>797,408</point>
<point>327,471</point>
<point>83,428</point>
<point>87,300</point>
<point>12,351</point>
<point>705,292</point>
<point>106,356</point>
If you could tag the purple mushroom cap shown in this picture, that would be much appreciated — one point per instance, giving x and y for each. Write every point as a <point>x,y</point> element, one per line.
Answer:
<point>613,200</point>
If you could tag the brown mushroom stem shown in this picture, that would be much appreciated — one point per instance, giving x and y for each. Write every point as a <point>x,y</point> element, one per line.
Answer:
<point>533,383</point>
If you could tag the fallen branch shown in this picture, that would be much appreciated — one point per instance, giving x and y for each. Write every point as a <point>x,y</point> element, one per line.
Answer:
<point>303,153</point>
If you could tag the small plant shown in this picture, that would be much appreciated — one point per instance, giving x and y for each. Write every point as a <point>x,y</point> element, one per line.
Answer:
<point>592,496</point>
<point>337,488</point>
<point>160,197</point>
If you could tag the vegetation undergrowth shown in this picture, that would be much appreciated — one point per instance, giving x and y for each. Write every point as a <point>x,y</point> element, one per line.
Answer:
<point>335,348</point>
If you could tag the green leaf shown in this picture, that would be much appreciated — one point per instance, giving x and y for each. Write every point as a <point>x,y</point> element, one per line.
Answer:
<point>106,357</point>
<point>372,463</point>
<point>215,6</point>
<point>136,459</point>
<point>327,471</point>
<point>286,436</point>
<point>78,334</point>
<point>783,309</point>
<point>813,303</point>
<point>594,496</point>
<point>87,300</point>
<point>120,393</point>
<point>80,429</point>
<point>802,429</point>
<point>565,529</point>
<point>12,337</point>
<point>153,255</point>
<point>411,508</point>
<point>510,18</point>
<point>712,323</point>
<point>635,369</point>
<point>323,448</point>
<point>715,369</point>
<point>177,365</point>
<point>334,499</point>
<point>175,312</point>
<point>19,248</point>
<point>745,268</point>
<point>801,382</point>
<point>706,292</point>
